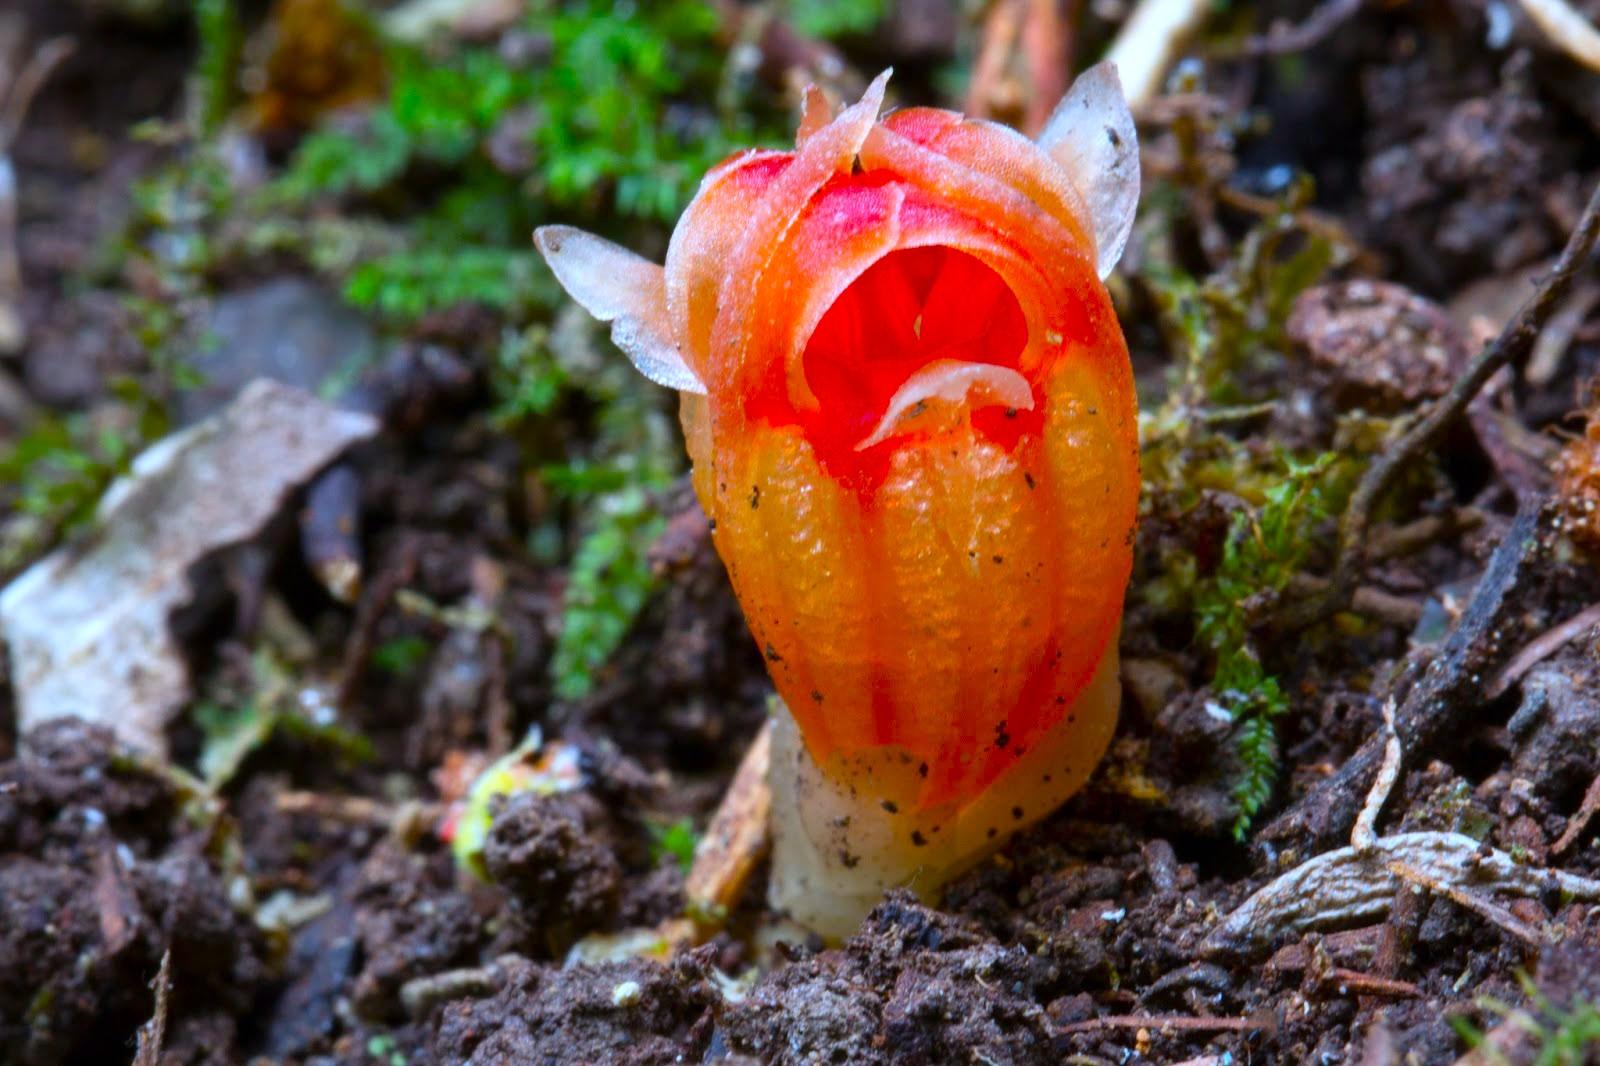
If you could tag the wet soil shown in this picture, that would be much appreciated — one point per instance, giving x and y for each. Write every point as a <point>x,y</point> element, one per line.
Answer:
<point>319,934</point>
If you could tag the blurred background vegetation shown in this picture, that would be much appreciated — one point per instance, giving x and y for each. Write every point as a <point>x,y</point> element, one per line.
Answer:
<point>399,155</point>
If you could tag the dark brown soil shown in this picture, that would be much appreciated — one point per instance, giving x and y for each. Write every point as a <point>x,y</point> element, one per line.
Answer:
<point>1454,162</point>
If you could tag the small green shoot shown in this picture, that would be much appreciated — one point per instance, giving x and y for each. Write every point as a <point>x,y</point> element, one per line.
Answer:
<point>234,725</point>
<point>677,839</point>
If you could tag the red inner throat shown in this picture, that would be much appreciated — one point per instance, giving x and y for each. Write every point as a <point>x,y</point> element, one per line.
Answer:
<point>913,308</point>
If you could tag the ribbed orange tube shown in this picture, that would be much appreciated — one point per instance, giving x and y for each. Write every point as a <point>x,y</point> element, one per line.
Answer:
<point>949,590</point>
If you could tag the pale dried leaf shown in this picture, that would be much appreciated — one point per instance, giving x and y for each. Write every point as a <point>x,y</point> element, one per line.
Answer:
<point>88,625</point>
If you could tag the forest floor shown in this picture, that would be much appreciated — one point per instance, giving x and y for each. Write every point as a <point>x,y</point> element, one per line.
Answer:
<point>1343,206</point>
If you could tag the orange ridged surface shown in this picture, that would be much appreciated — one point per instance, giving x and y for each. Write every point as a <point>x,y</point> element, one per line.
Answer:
<point>949,590</point>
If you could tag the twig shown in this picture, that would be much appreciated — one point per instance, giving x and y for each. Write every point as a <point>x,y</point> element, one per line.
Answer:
<point>1001,26</point>
<point>1541,648</point>
<point>1148,43</point>
<point>153,1033</point>
<point>1386,607</point>
<point>1513,342</point>
<point>1448,688</point>
<point>1567,30</point>
<point>1163,1023</point>
<point>1356,983</point>
<point>395,574</point>
<point>1350,884</point>
<point>1365,834</point>
<point>421,994</point>
<point>1047,49</point>
<point>1580,821</point>
<point>1394,541</point>
<point>18,96</point>
<point>1545,362</point>
<point>1282,39</point>
<point>1473,902</point>
<point>736,840</point>
<point>401,819</point>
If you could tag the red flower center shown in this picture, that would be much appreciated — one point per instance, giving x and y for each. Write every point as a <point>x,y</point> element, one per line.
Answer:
<point>935,312</point>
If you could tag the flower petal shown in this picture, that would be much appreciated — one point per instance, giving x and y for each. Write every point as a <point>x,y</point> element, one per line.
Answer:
<point>830,151</point>
<point>953,381</point>
<point>1091,134</point>
<point>816,115</point>
<point>971,191</point>
<point>697,258</point>
<point>617,286</point>
<point>1002,153</point>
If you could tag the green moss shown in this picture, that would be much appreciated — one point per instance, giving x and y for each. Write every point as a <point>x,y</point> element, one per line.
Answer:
<point>400,656</point>
<point>1265,548</point>
<point>1227,333</point>
<point>834,18</point>
<point>216,62</point>
<point>607,586</point>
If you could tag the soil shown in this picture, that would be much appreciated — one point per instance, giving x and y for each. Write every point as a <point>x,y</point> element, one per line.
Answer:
<point>1453,161</point>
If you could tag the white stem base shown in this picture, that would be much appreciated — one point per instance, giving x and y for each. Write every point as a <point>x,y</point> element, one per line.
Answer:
<point>839,845</point>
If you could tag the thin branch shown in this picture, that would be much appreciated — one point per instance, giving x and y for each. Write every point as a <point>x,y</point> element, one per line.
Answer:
<point>1162,1023</point>
<point>1512,344</point>
<point>1483,908</point>
<point>1580,821</point>
<point>1566,29</point>
<point>1447,687</point>
<point>1365,835</point>
<point>1356,983</point>
<point>153,1033</point>
<point>1282,39</point>
<point>1541,648</point>
<point>18,96</point>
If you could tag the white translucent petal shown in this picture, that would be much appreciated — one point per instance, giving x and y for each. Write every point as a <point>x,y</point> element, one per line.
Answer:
<point>617,286</point>
<point>953,381</point>
<point>1092,136</point>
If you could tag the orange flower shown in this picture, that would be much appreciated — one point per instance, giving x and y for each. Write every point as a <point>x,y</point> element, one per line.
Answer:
<point>912,420</point>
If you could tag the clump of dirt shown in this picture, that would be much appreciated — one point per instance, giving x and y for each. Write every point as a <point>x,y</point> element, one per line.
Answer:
<point>410,922</point>
<point>1477,174</point>
<point>1377,345</point>
<point>554,858</point>
<point>634,1013</point>
<point>913,985</point>
<point>102,873</point>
